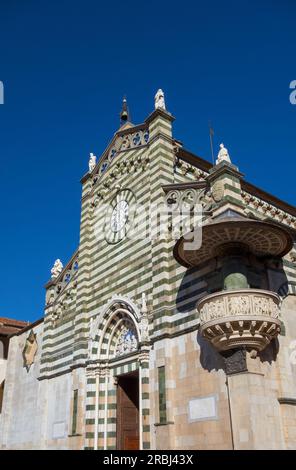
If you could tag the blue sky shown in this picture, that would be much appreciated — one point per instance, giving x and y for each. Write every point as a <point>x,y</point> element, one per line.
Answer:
<point>65,66</point>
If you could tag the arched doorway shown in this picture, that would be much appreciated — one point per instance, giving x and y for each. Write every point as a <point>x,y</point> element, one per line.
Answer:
<point>117,377</point>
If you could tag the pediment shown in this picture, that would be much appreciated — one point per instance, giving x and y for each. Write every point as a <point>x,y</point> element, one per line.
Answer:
<point>128,137</point>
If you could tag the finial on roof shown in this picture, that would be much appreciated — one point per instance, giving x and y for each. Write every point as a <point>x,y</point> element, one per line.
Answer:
<point>124,115</point>
<point>159,102</point>
<point>223,155</point>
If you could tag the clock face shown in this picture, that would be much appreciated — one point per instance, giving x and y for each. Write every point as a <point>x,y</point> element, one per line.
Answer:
<point>120,216</point>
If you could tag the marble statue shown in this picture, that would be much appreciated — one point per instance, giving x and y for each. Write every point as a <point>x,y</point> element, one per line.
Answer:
<point>144,322</point>
<point>92,162</point>
<point>56,269</point>
<point>223,155</point>
<point>159,100</point>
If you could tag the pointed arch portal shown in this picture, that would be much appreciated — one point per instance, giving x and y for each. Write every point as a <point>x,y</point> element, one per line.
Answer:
<point>115,356</point>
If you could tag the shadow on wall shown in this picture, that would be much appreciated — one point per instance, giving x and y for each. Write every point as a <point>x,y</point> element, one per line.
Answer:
<point>211,359</point>
<point>191,286</point>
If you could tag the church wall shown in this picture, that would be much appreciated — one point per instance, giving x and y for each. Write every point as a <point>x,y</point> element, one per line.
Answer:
<point>194,380</point>
<point>286,367</point>
<point>262,415</point>
<point>37,414</point>
<point>23,405</point>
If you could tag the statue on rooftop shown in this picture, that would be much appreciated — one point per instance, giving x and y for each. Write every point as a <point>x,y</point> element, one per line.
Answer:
<point>159,100</point>
<point>223,155</point>
<point>56,269</point>
<point>92,162</point>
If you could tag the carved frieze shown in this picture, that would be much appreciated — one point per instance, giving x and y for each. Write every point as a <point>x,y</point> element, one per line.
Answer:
<point>189,198</point>
<point>239,318</point>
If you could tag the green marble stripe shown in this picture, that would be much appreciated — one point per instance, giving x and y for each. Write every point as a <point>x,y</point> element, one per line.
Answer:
<point>110,406</point>
<point>174,324</point>
<point>44,370</point>
<point>67,330</point>
<point>118,253</point>
<point>90,407</point>
<point>56,367</point>
<point>228,176</point>
<point>234,201</point>
<point>55,358</point>
<point>89,421</point>
<point>91,381</point>
<point>160,251</point>
<point>129,275</point>
<point>160,124</point>
<point>233,188</point>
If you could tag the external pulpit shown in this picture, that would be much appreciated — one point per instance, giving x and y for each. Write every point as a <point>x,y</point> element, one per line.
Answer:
<point>243,313</point>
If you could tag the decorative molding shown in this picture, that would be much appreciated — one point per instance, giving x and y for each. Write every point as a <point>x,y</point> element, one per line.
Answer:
<point>135,138</point>
<point>268,210</point>
<point>262,238</point>
<point>240,318</point>
<point>188,197</point>
<point>112,181</point>
<point>186,168</point>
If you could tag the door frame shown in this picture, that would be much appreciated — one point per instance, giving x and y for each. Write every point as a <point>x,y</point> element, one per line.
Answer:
<point>136,373</point>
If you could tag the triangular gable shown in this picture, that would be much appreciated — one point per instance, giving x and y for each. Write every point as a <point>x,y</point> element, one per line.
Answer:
<point>128,137</point>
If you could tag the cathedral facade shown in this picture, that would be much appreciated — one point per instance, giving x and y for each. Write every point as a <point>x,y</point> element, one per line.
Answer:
<point>163,331</point>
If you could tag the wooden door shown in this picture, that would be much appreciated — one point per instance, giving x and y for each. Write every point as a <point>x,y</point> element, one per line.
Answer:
<point>128,412</point>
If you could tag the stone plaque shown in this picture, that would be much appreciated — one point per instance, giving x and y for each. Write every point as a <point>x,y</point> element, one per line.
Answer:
<point>59,430</point>
<point>202,408</point>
